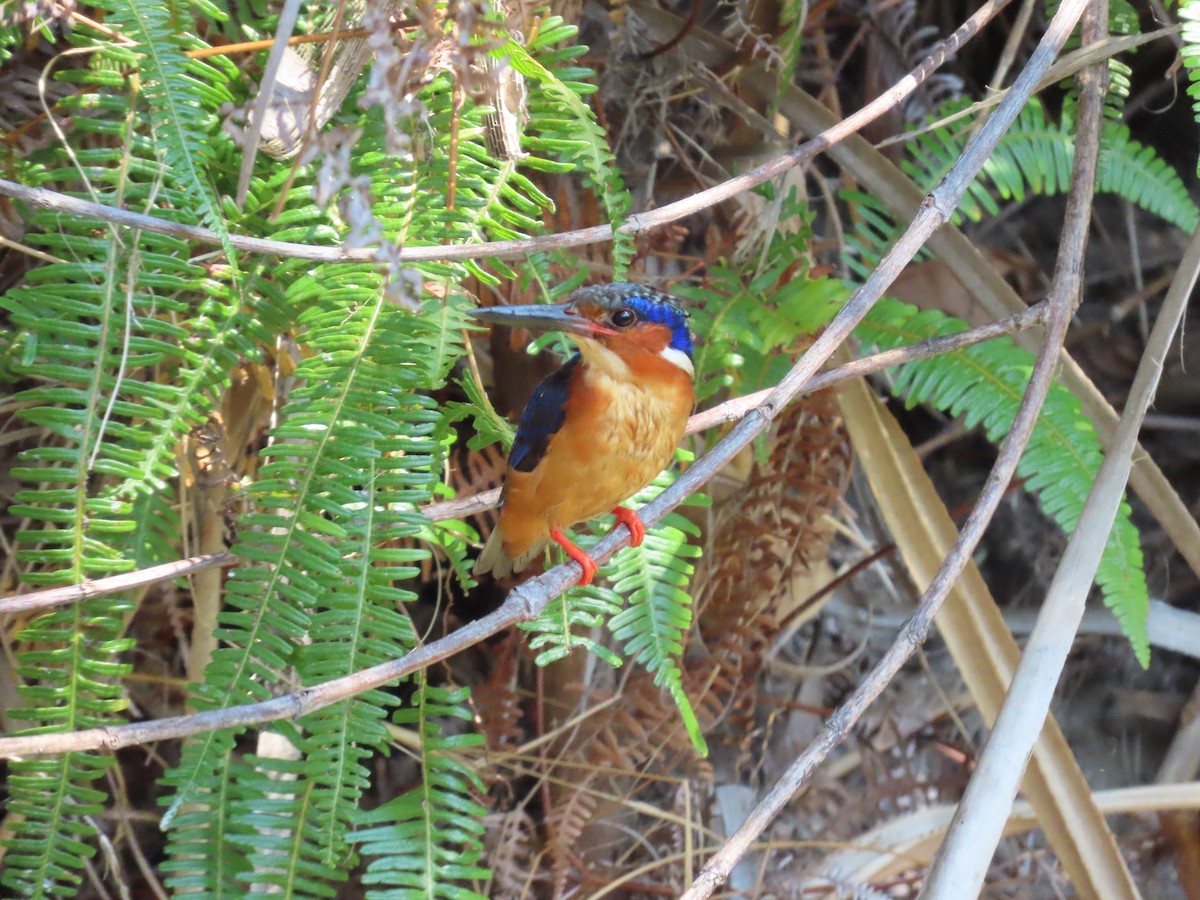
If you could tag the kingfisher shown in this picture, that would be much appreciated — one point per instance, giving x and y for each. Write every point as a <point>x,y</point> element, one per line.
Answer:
<point>598,429</point>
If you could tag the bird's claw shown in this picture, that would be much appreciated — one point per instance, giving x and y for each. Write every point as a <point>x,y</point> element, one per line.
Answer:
<point>637,528</point>
<point>585,562</point>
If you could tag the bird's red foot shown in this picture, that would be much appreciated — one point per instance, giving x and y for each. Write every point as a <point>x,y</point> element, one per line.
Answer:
<point>586,562</point>
<point>637,528</point>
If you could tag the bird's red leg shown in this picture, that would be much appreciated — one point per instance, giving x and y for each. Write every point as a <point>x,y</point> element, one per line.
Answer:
<point>637,528</point>
<point>588,564</point>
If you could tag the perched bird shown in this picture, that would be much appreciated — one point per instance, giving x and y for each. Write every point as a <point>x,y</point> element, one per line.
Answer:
<point>598,429</point>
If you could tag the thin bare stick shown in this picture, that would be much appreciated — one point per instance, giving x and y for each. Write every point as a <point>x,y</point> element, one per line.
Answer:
<point>959,868</point>
<point>294,41</point>
<point>732,410</point>
<point>717,870</point>
<point>113,584</point>
<point>266,90</point>
<point>722,414</point>
<point>47,199</point>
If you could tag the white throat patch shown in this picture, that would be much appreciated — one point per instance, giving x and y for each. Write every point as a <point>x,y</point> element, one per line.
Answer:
<point>678,358</point>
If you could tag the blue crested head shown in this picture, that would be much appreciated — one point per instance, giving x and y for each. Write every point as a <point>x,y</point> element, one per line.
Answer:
<point>633,321</point>
<point>661,308</point>
<point>613,303</point>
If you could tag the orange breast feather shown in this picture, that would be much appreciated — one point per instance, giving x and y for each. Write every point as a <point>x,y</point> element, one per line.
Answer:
<point>618,435</point>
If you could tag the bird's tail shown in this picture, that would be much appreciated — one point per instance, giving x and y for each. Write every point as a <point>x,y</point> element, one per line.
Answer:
<point>495,560</point>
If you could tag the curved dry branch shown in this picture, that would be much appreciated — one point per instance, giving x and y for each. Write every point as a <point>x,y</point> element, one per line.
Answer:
<point>510,249</point>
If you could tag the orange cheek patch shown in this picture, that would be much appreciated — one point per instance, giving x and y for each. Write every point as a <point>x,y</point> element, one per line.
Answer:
<point>653,337</point>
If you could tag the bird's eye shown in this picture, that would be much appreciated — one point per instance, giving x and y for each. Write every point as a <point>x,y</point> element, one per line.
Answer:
<point>623,317</point>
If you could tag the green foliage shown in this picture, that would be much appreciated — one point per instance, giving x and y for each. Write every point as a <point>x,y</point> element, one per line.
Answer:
<point>657,616</point>
<point>564,623</point>
<point>1189,15</point>
<point>569,126</point>
<point>183,96</point>
<point>1035,157</point>
<point>1122,19</point>
<point>753,316</point>
<point>71,681</point>
<point>129,341</point>
<point>353,451</point>
<point>489,426</point>
<point>427,842</point>
<point>98,330</point>
<point>984,384</point>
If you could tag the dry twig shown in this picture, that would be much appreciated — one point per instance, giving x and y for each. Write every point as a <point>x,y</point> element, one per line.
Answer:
<point>656,218</point>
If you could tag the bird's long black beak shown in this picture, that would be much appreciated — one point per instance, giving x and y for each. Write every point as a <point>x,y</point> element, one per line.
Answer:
<point>538,317</point>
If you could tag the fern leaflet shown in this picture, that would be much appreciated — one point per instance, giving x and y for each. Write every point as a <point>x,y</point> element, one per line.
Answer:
<point>984,384</point>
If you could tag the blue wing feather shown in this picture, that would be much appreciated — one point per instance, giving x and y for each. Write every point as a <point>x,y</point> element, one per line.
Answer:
<point>543,417</point>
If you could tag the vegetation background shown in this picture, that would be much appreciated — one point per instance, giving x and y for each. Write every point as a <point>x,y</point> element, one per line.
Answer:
<point>310,429</point>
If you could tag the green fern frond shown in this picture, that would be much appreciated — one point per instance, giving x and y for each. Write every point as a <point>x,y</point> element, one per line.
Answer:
<point>68,681</point>
<point>493,200</point>
<point>750,318</point>
<point>317,594</point>
<point>94,334</point>
<point>427,843</point>
<point>984,384</point>
<point>489,426</point>
<point>1136,172</point>
<point>277,849</point>
<point>11,39</point>
<point>793,15</point>
<point>183,95</point>
<point>411,203</point>
<point>564,624</point>
<point>1122,19</point>
<point>579,137</point>
<point>658,612</point>
<point>205,860</point>
<point>351,456</point>
<point>1034,157</point>
<point>1189,15</point>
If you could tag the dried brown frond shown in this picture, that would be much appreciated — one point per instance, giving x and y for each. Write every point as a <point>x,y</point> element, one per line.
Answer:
<point>565,823</point>
<point>508,843</point>
<point>496,700</point>
<point>475,471</point>
<point>766,535</point>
